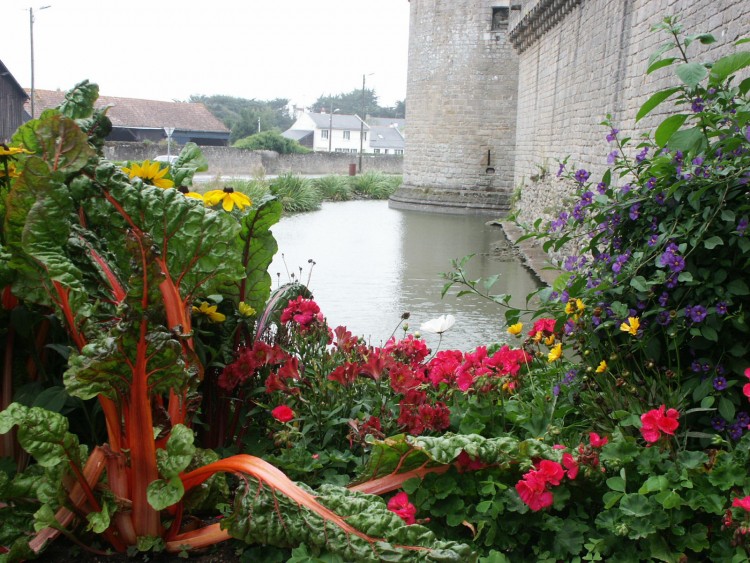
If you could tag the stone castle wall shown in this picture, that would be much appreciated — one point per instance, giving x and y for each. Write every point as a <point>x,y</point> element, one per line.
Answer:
<point>580,60</point>
<point>461,92</point>
<point>227,161</point>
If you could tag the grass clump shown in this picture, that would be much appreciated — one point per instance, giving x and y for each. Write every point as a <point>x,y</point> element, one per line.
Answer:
<point>334,188</point>
<point>296,194</point>
<point>374,185</point>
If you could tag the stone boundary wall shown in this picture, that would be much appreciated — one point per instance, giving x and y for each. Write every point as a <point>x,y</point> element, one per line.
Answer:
<point>580,60</point>
<point>225,161</point>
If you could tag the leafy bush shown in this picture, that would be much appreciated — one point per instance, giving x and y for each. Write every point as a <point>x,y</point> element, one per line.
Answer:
<point>295,194</point>
<point>334,188</point>
<point>374,185</point>
<point>271,141</point>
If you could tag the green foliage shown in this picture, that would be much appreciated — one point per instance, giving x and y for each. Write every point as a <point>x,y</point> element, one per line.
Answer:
<point>334,188</point>
<point>242,115</point>
<point>352,103</point>
<point>374,185</point>
<point>296,194</point>
<point>271,141</point>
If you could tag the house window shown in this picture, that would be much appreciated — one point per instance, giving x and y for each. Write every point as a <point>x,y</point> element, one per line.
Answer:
<point>364,135</point>
<point>347,135</point>
<point>499,17</point>
<point>386,151</point>
<point>399,151</point>
<point>376,151</point>
<point>339,150</point>
<point>324,134</point>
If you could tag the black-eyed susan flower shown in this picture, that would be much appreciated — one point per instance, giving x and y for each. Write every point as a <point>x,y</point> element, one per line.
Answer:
<point>245,309</point>
<point>151,173</point>
<point>602,367</point>
<point>5,150</point>
<point>209,311</point>
<point>187,193</point>
<point>228,198</point>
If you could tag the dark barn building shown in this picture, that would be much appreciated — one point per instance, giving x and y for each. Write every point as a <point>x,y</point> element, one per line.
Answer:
<point>12,99</point>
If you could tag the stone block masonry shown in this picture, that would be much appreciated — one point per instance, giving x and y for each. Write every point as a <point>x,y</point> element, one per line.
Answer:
<point>580,60</point>
<point>461,92</point>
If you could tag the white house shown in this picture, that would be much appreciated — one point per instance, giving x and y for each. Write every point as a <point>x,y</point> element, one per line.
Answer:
<point>326,132</point>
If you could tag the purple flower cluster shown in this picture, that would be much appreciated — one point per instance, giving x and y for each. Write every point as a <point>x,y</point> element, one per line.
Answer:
<point>672,258</point>
<point>641,156</point>
<point>742,226</point>
<point>582,175</point>
<point>612,135</point>
<point>696,313</point>
<point>566,381</point>
<point>635,211</point>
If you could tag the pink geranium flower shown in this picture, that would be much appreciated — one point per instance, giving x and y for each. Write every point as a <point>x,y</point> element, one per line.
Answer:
<point>597,441</point>
<point>283,413</point>
<point>743,503</point>
<point>746,387</point>
<point>533,491</point>
<point>401,507</point>
<point>571,465</point>
<point>656,421</point>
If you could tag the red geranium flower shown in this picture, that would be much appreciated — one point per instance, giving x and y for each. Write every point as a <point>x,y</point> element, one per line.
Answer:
<point>283,413</point>
<point>533,491</point>
<point>743,503</point>
<point>597,441</point>
<point>401,506</point>
<point>304,312</point>
<point>657,421</point>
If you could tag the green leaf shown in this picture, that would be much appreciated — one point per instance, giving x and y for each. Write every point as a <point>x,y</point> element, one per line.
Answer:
<point>668,127</point>
<point>99,521</point>
<point>635,505</point>
<point>639,283</point>
<point>738,287</point>
<point>660,64</point>
<point>669,499</point>
<point>709,333</point>
<point>179,452</point>
<point>616,484</point>
<point>726,408</point>
<point>713,242</point>
<point>691,73</point>
<point>42,433</point>
<point>163,493</point>
<point>654,483</point>
<point>654,101</point>
<point>687,140</point>
<point>726,66</point>
<point>704,38</point>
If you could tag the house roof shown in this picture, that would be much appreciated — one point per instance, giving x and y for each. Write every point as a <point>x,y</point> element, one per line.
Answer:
<point>339,121</point>
<point>144,114</point>
<point>5,73</point>
<point>386,137</point>
<point>387,121</point>
<point>295,134</point>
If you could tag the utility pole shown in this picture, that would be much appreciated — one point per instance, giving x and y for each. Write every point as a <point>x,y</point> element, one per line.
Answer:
<point>31,37</point>
<point>362,125</point>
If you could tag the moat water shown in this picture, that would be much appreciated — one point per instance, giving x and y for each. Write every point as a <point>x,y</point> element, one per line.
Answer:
<point>373,263</point>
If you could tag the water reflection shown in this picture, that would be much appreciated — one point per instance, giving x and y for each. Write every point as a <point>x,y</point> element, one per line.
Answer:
<point>373,263</point>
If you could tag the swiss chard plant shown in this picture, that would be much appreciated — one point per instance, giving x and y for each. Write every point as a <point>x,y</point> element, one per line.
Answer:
<point>126,261</point>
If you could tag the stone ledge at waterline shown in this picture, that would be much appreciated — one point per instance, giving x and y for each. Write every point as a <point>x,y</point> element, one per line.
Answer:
<point>451,200</point>
<point>229,160</point>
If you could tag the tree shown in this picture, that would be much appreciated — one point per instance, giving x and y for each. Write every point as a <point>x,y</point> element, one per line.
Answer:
<point>246,117</point>
<point>272,141</point>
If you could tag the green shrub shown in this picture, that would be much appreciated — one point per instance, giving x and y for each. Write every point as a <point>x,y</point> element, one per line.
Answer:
<point>333,188</point>
<point>271,141</point>
<point>374,185</point>
<point>296,194</point>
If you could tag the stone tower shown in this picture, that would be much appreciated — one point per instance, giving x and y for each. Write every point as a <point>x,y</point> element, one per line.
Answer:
<point>461,109</point>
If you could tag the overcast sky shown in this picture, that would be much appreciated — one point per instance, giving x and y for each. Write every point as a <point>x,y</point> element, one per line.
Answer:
<point>171,49</point>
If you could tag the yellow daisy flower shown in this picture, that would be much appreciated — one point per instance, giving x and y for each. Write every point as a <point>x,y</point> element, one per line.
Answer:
<point>12,171</point>
<point>550,340</point>
<point>515,329</point>
<point>602,367</point>
<point>246,310</point>
<point>228,198</point>
<point>555,353</point>
<point>5,150</point>
<point>187,193</point>
<point>210,311</point>
<point>631,326</point>
<point>580,305</point>
<point>151,173</point>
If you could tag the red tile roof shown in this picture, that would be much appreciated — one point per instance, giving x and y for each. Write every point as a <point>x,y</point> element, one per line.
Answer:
<point>142,114</point>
